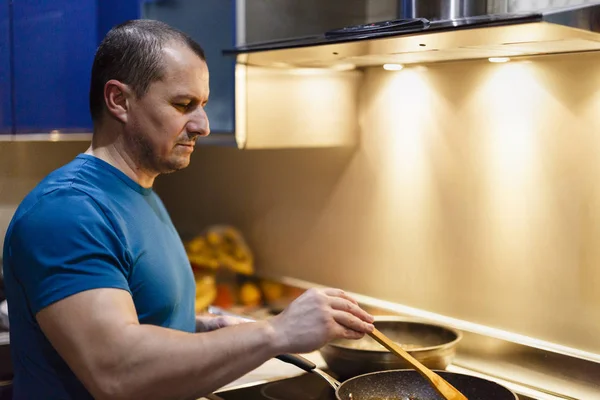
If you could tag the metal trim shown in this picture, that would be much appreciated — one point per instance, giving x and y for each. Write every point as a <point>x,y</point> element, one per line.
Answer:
<point>457,323</point>
<point>51,137</point>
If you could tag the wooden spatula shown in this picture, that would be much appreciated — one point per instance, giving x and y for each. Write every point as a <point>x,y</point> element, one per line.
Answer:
<point>445,389</point>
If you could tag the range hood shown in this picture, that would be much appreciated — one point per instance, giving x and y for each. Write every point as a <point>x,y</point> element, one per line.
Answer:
<point>563,30</point>
<point>305,92</point>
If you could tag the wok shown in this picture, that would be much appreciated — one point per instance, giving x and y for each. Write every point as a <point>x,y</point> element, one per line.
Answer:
<point>432,345</point>
<point>403,384</point>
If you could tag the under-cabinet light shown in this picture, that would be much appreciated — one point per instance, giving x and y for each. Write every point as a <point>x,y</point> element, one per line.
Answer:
<point>393,67</point>
<point>498,59</point>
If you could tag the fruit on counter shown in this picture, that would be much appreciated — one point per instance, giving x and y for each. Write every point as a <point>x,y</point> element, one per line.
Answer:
<point>223,268</point>
<point>294,292</point>
<point>217,255</point>
<point>272,291</point>
<point>206,290</point>
<point>250,294</point>
<point>225,296</point>
<point>220,246</point>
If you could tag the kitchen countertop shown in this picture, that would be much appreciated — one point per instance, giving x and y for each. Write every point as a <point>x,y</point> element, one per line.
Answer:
<point>274,369</point>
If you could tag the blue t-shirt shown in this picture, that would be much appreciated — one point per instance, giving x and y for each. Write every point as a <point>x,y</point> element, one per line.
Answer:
<point>87,226</point>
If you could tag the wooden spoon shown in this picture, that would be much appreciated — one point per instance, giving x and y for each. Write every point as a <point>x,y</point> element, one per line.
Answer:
<point>445,389</point>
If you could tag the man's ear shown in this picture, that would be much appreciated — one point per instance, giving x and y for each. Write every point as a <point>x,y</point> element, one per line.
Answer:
<point>116,98</point>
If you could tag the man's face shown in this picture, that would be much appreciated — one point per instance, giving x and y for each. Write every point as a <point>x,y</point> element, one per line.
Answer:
<point>163,125</point>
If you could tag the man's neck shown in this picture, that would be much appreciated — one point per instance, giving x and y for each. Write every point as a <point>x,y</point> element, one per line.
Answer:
<point>114,151</point>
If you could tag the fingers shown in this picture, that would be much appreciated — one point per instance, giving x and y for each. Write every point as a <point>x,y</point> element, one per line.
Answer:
<point>339,293</point>
<point>344,305</point>
<point>349,321</point>
<point>350,334</point>
<point>339,300</point>
<point>354,321</point>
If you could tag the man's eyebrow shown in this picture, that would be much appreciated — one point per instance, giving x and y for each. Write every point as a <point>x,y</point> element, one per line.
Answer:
<point>190,96</point>
<point>184,94</point>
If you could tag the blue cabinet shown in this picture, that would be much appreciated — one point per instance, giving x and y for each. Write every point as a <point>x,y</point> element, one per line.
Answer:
<point>54,43</point>
<point>212,24</point>
<point>54,46</point>
<point>5,69</point>
<point>114,12</point>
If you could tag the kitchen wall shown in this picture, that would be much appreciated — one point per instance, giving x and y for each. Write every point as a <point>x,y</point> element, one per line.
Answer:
<point>23,165</point>
<point>475,193</point>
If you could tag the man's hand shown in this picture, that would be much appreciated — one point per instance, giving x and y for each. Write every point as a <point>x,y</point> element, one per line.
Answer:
<point>209,322</point>
<point>318,316</point>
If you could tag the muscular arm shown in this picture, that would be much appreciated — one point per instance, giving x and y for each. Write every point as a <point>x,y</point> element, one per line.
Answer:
<point>98,335</point>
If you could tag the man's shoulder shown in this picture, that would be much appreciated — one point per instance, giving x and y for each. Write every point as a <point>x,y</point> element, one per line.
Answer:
<point>62,196</point>
<point>56,223</point>
<point>59,206</point>
<point>63,193</point>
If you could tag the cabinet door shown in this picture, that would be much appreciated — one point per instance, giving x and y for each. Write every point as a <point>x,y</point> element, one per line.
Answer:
<point>54,45</point>
<point>115,12</point>
<point>5,78</point>
<point>212,24</point>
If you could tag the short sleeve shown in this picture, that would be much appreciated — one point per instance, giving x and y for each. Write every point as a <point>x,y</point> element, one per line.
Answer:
<point>65,245</point>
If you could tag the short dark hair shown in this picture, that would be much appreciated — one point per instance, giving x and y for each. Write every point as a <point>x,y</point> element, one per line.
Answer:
<point>131,53</point>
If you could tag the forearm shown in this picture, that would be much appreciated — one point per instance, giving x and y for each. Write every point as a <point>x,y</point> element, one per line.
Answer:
<point>209,322</point>
<point>157,363</point>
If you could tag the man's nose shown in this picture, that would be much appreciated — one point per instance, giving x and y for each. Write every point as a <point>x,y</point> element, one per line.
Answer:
<point>199,123</point>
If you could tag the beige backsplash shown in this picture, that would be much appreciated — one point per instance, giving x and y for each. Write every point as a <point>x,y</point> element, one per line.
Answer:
<point>475,193</point>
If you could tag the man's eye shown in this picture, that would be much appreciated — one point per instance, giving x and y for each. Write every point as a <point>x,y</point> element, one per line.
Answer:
<point>182,105</point>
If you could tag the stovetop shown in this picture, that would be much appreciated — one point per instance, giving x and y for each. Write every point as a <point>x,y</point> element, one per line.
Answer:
<point>302,387</point>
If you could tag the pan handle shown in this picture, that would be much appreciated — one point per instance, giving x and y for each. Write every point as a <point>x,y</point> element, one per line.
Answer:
<point>309,366</point>
<point>297,361</point>
<point>293,359</point>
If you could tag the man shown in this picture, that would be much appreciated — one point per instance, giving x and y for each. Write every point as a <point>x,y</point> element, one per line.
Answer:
<point>100,292</point>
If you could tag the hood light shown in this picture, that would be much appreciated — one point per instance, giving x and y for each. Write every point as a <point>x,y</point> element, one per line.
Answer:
<point>344,67</point>
<point>393,67</point>
<point>498,59</point>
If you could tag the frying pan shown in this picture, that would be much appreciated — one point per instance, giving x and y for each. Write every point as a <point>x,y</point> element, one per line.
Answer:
<point>403,384</point>
<point>432,345</point>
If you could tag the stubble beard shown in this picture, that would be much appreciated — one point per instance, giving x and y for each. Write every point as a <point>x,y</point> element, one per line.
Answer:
<point>148,159</point>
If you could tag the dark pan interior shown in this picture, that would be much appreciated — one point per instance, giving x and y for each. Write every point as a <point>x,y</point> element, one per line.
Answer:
<point>409,384</point>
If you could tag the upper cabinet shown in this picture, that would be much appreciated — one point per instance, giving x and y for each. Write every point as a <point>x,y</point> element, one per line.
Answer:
<point>5,86</point>
<point>54,43</point>
<point>114,12</point>
<point>212,24</point>
<point>54,46</point>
